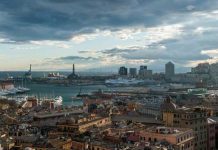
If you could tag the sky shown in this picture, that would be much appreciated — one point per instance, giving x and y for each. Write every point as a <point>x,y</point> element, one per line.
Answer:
<point>102,35</point>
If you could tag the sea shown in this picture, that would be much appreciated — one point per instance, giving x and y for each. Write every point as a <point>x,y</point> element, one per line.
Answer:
<point>53,90</point>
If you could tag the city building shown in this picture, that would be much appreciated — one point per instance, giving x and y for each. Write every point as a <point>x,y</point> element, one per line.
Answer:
<point>214,72</point>
<point>132,72</point>
<point>178,138</point>
<point>123,71</point>
<point>194,118</point>
<point>144,72</point>
<point>82,123</point>
<point>169,70</point>
<point>211,132</point>
<point>202,68</point>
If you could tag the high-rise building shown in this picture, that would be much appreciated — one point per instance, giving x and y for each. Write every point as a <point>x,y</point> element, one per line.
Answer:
<point>194,118</point>
<point>123,71</point>
<point>132,72</point>
<point>169,70</point>
<point>143,68</point>
<point>144,72</point>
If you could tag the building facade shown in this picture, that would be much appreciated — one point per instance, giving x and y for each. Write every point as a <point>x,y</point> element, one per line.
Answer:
<point>169,70</point>
<point>178,138</point>
<point>194,118</point>
<point>123,71</point>
<point>132,72</point>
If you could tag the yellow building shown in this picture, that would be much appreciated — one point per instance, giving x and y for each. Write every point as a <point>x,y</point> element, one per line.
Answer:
<point>83,123</point>
<point>194,118</point>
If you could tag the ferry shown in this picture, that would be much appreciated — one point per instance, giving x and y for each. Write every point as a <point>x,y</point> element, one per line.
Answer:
<point>123,82</point>
<point>159,88</point>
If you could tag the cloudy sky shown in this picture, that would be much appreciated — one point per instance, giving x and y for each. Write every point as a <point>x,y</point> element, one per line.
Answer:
<point>106,34</point>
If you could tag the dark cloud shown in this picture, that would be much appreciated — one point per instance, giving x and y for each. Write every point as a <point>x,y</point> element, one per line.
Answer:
<point>68,60</point>
<point>156,52</point>
<point>76,58</point>
<point>24,20</point>
<point>117,51</point>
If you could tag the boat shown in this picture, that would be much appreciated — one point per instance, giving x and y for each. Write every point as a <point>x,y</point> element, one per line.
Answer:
<point>123,82</point>
<point>9,92</point>
<point>77,99</point>
<point>23,89</point>
<point>58,100</point>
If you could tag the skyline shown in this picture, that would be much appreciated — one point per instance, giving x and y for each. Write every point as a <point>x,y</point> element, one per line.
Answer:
<point>100,34</point>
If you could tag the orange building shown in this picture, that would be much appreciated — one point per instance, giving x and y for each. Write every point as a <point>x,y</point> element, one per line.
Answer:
<point>179,138</point>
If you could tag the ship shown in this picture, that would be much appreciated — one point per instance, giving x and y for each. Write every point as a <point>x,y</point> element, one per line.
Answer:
<point>123,82</point>
<point>58,100</point>
<point>55,76</point>
<point>159,88</point>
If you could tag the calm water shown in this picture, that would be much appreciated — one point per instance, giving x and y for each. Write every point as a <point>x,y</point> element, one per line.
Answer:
<point>48,90</point>
<point>67,92</point>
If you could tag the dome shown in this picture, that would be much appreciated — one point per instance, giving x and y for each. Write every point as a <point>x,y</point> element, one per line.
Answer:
<point>168,105</point>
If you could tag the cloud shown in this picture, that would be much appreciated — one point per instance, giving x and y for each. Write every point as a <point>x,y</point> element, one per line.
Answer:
<point>59,44</point>
<point>76,58</point>
<point>212,52</point>
<point>23,20</point>
<point>151,32</point>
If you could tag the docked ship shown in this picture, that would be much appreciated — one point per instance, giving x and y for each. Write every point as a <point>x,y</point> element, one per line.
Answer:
<point>123,82</point>
<point>159,88</point>
<point>58,100</point>
<point>55,76</point>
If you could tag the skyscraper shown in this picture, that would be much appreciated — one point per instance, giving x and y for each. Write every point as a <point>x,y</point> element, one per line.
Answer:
<point>169,70</point>
<point>144,72</point>
<point>132,72</point>
<point>123,71</point>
